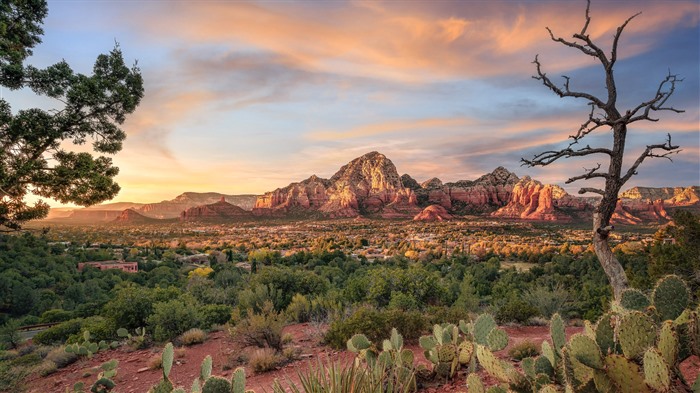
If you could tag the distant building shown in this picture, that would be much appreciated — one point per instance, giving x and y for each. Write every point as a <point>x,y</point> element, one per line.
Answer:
<point>129,267</point>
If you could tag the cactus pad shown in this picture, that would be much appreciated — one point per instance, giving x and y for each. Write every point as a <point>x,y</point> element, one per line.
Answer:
<point>443,369</point>
<point>543,366</point>
<point>358,342</point>
<point>482,327</point>
<point>238,381</point>
<point>396,339</point>
<point>625,375</point>
<point>605,333</point>
<point>585,350</point>
<point>548,353</point>
<point>547,389</point>
<point>167,359</point>
<point>474,384</point>
<point>668,342</point>
<point>427,342</point>
<point>634,299</point>
<point>491,364</point>
<point>497,339</point>
<point>446,353</point>
<point>670,297</point>
<point>528,366</point>
<point>205,371</point>
<point>465,351</point>
<point>656,371</point>
<point>637,332</point>
<point>558,332</point>
<point>603,383</point>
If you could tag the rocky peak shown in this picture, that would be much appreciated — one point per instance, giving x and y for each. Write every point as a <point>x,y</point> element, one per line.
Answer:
<point>409,182</point>
<point>432,184</point>
<point>499,177</point>
<point>370,173</point>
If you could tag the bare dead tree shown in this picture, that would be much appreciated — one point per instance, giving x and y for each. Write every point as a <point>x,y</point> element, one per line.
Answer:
<point>605,116</point>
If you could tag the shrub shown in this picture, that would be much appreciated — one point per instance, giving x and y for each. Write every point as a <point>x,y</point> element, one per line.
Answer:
<point>55,315</point>
<point>376,325</point>
<point>46,368</point>
<point>59,333</point>
<point>60,357</point>
<point>99,328</point>
<point>171,318</point>
<point>299,310</point>
<point>260,329</point>
<point>287,338</point>
<point>155,362</point>
<point>291,353</point>
<point>523,350</point>
<point>192,336</point>
<point>547,301</point>
<point>264,359</point>
<point>214,314</point>
<point>515,310</point>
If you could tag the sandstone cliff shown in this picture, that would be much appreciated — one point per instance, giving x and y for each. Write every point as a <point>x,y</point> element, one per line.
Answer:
<point>184,201</point>
<point>532,200</point>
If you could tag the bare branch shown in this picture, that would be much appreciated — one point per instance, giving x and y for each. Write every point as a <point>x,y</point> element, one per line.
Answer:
<point>589,189</point>
<point>613,54</point>
<point>547,157</point>
<point>590,174</point>
<point>541,76</point>
<point>667,146</point>
<point>657,103</point>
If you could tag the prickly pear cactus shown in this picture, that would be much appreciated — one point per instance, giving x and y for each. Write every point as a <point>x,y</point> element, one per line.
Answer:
<point>637,332</point>
<point>656,371</point>
<point>605,333</point>
<point>238,381</point>
<point>216,385</point>
<point>474,384</point>
<point>634,299</point>
<point>482,327</point>
<point>625,375</point>
<point>670,297</point>
<point>465,351</point>
<point>358,342</point>
<point>585,350</point>
<point>557,331</point>
<point>497,339</point>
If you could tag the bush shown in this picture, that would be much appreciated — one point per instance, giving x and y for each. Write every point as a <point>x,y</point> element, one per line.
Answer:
<point>547,301</point>
<point>376,325</point>
<point>214,314</point>
<point>299,310</point>
<point>523,350</point>
<point>192,336</point>
<point>60,357</point>
<point>99,328</point>
<point>264,359</point>
<point>55,315</point>
<point>438,315</point>
<point>171,318</point>
<point>515,310</point>
<point>260,329</point>
<point>155,362</point>
<point>46,368</point>
<point>59,333</point>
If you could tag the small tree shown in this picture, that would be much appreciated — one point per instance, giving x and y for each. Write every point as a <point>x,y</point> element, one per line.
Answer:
<point>34,155</point>
<point>605,114</point>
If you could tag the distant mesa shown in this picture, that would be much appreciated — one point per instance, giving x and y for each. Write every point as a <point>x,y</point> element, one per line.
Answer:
<point>133,217</point>
<point>433,213</point>
<point>220,210</point>
<point>370,187</point>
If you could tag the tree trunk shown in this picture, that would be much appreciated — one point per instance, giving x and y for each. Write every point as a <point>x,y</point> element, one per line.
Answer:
<point>612,267</point>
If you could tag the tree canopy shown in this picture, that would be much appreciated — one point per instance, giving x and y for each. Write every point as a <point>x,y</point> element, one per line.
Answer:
<point>35,156</point>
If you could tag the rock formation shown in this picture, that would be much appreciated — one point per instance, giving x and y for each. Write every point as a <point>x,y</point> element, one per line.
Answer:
<point>132,217</point>
<point>532,200</point>
<point>220,210</point>
<point>184,201</point>
<point>433,213</point>
<point>93,216</point>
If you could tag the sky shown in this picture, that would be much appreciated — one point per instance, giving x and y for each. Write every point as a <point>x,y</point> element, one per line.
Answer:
<point>242,97</point>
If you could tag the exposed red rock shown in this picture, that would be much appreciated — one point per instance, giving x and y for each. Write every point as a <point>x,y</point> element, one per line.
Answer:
<point>433,213</point>
<point>485,194</point>
<point>131,216</point>
<point>532,200</point>
<point>184,201</point>
<point>635,211</point>
<point>96,216</point>
<point>215,211</point>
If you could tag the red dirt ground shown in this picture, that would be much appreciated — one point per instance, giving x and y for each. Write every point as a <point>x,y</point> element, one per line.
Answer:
<point>135,377</point>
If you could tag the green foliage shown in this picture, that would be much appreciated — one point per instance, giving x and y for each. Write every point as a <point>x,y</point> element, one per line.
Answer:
<point>172,318</point>
<point>515,310</point>
<point>59,333</point>
<point>214,314</point>
<point>9,335</point>
<point>523,349</point>
<point>260,329</point>
<point>91,107</point>
<point>216,385</point>
<point>375,324</point>
<point>547,301</point>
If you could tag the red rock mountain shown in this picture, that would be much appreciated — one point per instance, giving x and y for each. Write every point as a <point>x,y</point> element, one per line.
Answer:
<point>184,201</point>
<point>220,210</point>
<point>532,200</point>
<point>433,213</point>
<point>133,217</point>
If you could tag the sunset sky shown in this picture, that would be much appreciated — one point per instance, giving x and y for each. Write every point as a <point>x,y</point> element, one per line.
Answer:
<point>244,97</point>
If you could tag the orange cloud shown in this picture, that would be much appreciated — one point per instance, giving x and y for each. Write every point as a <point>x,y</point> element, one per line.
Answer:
<point>388,127</point>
